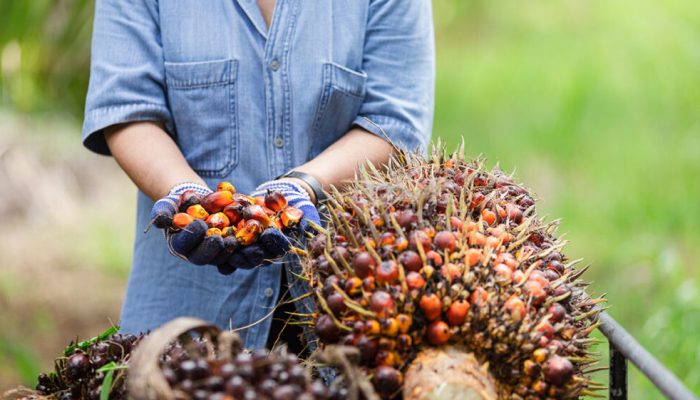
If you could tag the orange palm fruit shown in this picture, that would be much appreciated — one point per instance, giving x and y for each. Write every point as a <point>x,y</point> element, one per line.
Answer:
<point>218,220</point>
<point>515,307</point>
<point>390,327</point>
<point>249,233</point>
<point>431,305</point>
<point>457,312</point>
<point>479,296</point>
<point>181,220</point>
<point>438,333</point>
<point>387,239</point>
<point>256,212</point>
<point>404,341</point>
<point>401,244</point>
<point>373,327</point>
<point>435,257</point>
<point>234,212</point>
<point>405,321</point>
<point>353,286</point>
<point>228,231</point>
<point>217,201</point>
<point>488,216</point>
<point>241,198</point>
<point>414,280</point>
<point>214,231</point>
<point>291,216</point>
<point>188,198</point>
<point>472,258</point>
<point>275,201</point>
<point>197,212</point>
<point>445,240</point>
<point>259,200</point>
<point>224,186</point>
<point>451,271</point>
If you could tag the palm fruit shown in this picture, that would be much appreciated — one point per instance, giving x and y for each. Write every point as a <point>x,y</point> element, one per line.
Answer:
<point>461,252</point>
<point>224,186</point>
<point>76,375</point>
<point>203,222</point>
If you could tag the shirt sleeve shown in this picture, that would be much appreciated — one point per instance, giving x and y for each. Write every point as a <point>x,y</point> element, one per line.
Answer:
<point>126,70</point>
<point>399,59</point>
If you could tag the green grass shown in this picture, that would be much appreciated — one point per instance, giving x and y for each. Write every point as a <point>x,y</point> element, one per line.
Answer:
<point>595,103</point>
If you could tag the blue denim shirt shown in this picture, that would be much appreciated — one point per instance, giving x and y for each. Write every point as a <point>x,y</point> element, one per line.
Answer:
<point>246,103</point>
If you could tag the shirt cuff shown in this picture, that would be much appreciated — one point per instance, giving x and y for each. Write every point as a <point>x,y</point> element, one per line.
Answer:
<point>100,118</point>
<point>397,132</point>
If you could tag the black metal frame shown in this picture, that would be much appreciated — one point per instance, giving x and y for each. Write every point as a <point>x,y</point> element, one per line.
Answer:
<point>624,347</point>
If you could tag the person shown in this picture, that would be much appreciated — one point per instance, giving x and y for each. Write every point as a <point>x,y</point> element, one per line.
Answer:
<point>186,94</point>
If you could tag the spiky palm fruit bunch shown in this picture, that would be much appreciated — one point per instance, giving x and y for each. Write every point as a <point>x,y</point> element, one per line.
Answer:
<point>81,372</point>
<point>440,251</point>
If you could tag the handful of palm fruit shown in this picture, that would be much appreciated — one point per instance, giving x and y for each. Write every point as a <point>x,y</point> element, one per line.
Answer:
<point>229,216</point>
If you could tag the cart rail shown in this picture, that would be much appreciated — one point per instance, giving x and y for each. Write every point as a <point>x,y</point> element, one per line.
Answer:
<point>624,347</point>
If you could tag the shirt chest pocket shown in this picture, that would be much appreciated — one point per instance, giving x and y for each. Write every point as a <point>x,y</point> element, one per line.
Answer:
<point>202,98</point>
<point>342,94</point>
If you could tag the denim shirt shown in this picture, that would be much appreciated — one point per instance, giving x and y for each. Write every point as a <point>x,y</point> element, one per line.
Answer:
<point>246,103</point>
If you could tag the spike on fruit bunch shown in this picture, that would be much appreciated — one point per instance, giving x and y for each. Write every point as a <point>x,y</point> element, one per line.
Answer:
<point>236,218</point>
<point>440,251</point>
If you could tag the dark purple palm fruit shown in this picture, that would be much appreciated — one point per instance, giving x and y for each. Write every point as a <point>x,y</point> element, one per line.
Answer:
<point>78,367</point>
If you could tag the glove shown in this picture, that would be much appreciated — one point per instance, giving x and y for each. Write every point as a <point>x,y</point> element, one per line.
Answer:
<point>273,243</point>
<point>189,243</point>
<point>296,196</point>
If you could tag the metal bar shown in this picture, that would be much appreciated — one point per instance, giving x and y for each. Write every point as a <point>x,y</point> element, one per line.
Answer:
<point>618,374</point>
<point>623,342</point>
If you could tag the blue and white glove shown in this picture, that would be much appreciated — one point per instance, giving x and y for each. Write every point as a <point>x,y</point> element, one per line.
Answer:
<point>164,209</point>
<point>273,243</point>
<point>296,196</point>
<point>189,243</point>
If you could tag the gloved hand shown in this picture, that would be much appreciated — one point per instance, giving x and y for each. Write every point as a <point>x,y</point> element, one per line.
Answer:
<point>273,243</point>
<point>188,243</point>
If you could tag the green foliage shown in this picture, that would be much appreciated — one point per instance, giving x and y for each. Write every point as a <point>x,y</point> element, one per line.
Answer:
<point>596,104</point>
<point>21,357</point>
<point>45,54</point>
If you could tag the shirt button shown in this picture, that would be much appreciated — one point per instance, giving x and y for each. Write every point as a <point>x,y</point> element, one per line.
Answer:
<point>269,292</point>
<point>274,65</point>
<point>279,142</point>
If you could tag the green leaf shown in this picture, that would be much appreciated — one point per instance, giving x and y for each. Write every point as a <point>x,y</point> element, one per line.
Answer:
<point>106,386</point>
<point>87,343</point>
<point>112,366</point>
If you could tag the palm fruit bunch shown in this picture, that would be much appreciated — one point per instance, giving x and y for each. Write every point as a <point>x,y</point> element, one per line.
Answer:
<point>440,251</point>
<point>82,370</point>
<point>260,375</point>
<point>236,218</point>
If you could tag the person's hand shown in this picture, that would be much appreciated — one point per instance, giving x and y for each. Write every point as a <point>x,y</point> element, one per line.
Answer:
<point>296,197</point>
<point>190,242</point>
<point>274,243</point>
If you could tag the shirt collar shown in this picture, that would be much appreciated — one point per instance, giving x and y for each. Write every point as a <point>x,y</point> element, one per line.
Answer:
<point>251,9</point>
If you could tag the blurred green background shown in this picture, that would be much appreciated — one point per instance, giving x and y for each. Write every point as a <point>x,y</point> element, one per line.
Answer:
<point>593,104</point>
